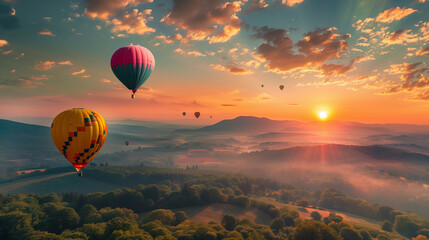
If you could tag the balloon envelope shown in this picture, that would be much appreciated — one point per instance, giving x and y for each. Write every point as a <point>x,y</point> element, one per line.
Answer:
<point>127,143</point>
<point>197,114</point>
<point>281,87</point>
<point>79,134</point>
<point>262,85</point>
<point>132,65</point>
<point>184,113</point>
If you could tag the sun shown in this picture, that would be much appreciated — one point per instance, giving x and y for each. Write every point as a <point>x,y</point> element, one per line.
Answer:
<point>323,115</point>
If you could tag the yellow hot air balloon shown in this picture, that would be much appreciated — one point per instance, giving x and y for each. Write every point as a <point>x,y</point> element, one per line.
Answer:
<point>79,134</point>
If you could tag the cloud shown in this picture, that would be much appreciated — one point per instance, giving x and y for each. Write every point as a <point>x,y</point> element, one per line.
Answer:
<point>133,22</point>
<point>394,14</point>
<point>189,53</point>
<point>412,77</point>
<point>263,96</point>
<point>257,5</point>
<point>338,69</point>
<point>170,39</point>
<point>231,68</point>
<point>47,65</point>
<point>3,43</point>
<point>104,10</point>
<point>26,82</point>
<point>65,63</point>
<point>7,52</point>
<point>212,20</point>
<point>45,32</point>
<point>316,48</point>
<point>8,20</point>
<point>105,80</point>
<point>291,3</point>
<point>422,51</point>
<point>401,36</point>
<point>228,105</point>
<point>79,72</point>
<point>44,66</point>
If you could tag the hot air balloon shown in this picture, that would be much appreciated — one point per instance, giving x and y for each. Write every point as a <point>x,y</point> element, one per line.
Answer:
<point>184,113</point>
<point>281,87</point>
<point>262,85</point>
<point>197,114</point>
<point>211,116</point>
<point>79,134</point>
<point>132,65</point>
<point>127,143</point>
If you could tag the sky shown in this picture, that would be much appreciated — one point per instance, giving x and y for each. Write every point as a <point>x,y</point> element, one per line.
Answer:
<point>364,61</point>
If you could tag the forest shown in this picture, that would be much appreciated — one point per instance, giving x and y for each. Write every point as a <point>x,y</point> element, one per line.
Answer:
<point>147,208</point>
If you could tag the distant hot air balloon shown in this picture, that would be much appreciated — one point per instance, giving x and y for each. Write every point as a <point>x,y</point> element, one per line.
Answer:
<point>79,134</point>
<point>132,65</point>
<point>127,143</point>
<point>211,116</point>
<point>281,87</point>
<point>184,113</point>
<point>197,114</point>
<point>262,85</point>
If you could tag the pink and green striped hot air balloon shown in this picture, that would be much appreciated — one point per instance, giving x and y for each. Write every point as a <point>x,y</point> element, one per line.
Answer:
<point>132,65</point>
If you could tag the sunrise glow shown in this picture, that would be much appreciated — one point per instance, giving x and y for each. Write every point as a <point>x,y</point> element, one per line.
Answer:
<point>323,115</point>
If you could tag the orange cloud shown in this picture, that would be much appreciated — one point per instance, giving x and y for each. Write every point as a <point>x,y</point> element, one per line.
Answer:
<point>316,48</point>
<point>291,3</point>
<point>104,10</point>
<point>26,82</point>
<point>257,5</point>
<point>79,72</point>
<point>3,43</point>
<point>401,36</point>
<point>231,68</point>
<point>133,22</point>
<point>412,77</point>
<point>170,39</point>
<point>189,53</point>
<point>394,14</point>
<point>204,19</point>
<point>65,63</point>
<point>44,66</point>
<point>46,32</point>
<point>422,51</point>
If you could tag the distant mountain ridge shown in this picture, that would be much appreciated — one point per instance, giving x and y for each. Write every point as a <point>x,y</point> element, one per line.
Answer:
<point>337,152</point>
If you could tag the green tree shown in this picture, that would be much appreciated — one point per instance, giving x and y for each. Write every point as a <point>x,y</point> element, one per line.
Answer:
<point>303,203</point>
<point>350,234</point>
<point>316,216</point>
<point>75,235</point>
<point>387,226</point>
<point>229,222</point>
<point>405,226</point>
<point>66,218</point>
<point>179,217</point>
<point>333,217</point>
<point>89,214</point>
<point>277,224</point>
<point>119,223</point>
<point>94,231</point>
<point>313,230</point>
<point>166,216</point>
